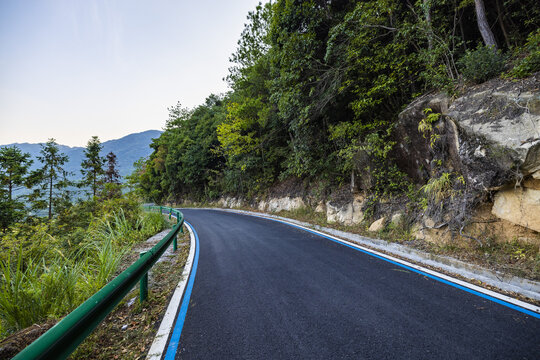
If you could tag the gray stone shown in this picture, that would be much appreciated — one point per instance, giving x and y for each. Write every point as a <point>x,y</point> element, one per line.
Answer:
<point>504,114</point>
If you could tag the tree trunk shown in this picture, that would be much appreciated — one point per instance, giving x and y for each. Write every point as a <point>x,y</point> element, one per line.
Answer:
<point>10,186</point>
<point>427,12</point>
<point>483,26</point>
<point>501,23</point>
<point>50,197</point>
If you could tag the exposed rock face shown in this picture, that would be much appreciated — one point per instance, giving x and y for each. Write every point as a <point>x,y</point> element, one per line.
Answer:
<point>496,122</point>
<point>281,204</point>
<point>412,152</point>
<point>507,115</point>
<point>520,206</point>
<point>349,213</point>
<point>397,219</point>
<point>490,135</point>
<point>230,202</point>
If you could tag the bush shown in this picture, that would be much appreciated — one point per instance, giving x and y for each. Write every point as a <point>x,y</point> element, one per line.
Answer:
<point>530,63</point>
<point>482,64</point>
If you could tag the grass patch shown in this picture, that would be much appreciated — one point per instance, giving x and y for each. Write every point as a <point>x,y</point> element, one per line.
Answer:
<point>128,332</point>
<point>46,277</point>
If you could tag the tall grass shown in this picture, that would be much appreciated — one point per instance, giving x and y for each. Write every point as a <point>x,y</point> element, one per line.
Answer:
<point>99,263</point>
<point>36,288</point>
<point>32,292</point>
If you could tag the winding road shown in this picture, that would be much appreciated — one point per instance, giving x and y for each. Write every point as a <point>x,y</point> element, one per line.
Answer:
<point>267,290</point>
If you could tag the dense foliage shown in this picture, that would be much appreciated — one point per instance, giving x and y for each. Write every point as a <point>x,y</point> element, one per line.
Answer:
<point>78,251</point>
<point>317,86</point>
<point>76,248</point>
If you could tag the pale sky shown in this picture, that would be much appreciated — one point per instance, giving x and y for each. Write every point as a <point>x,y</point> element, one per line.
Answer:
<point>71,69</point>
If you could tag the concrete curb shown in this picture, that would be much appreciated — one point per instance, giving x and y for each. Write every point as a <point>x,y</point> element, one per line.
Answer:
<point>159,345</point>
<point>525,287</point>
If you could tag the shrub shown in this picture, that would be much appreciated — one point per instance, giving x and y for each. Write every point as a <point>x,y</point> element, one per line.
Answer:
<point>530,63</point>
<point>482,64</point>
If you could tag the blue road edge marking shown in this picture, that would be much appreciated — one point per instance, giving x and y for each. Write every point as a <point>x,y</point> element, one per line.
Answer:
<point>179,324</point>
<point>434,277</point>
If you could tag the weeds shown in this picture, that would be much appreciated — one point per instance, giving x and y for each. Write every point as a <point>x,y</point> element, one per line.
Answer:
<point>44,277</point>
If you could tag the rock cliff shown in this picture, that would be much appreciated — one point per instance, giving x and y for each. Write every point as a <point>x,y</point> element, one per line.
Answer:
<point>491,135</point>
<point>488,138</point>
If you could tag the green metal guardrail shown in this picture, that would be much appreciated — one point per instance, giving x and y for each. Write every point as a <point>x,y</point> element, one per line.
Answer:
<point>62,339</point>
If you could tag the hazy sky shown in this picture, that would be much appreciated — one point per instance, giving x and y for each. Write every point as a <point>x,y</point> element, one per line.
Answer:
<point>70,69</point>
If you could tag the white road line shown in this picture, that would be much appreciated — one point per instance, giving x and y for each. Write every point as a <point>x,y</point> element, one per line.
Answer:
<point>157,350</point>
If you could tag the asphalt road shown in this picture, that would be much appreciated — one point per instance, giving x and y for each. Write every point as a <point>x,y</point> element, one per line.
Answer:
<point>266,290</point>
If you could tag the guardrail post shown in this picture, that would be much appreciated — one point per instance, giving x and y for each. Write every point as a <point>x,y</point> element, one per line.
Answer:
<point>143,291</point>
<point>175,243</point>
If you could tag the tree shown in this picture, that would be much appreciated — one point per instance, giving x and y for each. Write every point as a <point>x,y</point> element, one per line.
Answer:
<point>52,176</point>
<point>483,25</point>
<point>134,182</point>
<point>112,176</point>
<point>92,165</point>
<point>13,175</point>
<point>13,169</point>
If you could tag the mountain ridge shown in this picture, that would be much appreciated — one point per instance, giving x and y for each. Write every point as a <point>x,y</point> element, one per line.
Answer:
<point>127,149</point>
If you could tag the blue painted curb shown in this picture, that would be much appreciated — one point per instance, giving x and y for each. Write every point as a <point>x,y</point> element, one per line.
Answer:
<point>474,292</point>
<point>179,324</point>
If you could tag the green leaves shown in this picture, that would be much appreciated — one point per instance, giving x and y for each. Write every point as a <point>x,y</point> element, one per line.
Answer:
<point>92,165</point>
<point>51,177</point>
<point>317,87</point>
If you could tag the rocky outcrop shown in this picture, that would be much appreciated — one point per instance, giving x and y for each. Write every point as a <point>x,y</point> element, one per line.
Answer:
<point>520,206</point>
<point>490,135</point>
<point>230,202</point>
<point>507,115</point>
<point>497,121</point>
<point>412,153</point>
<point>397,219</point>
<point>347,213</point>
<point>281,204</point>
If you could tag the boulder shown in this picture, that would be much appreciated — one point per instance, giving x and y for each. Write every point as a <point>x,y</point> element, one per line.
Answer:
<point>490,134</point>
<point>506,115</point>
<point>348,213</point>
<point>520,206</point>
<point>321,208</point>
<point>377,225</point>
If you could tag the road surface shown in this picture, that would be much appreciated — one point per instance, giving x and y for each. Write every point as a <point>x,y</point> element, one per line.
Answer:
<point>267,290</point>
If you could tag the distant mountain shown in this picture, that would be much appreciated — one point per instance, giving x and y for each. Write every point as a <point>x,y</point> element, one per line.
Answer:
<point>128,149</point>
